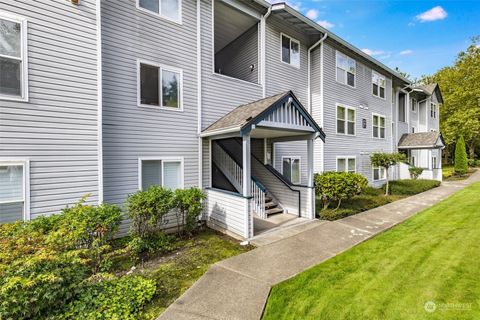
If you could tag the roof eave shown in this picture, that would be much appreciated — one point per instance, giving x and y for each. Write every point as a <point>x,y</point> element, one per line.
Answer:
<point>284,6</point>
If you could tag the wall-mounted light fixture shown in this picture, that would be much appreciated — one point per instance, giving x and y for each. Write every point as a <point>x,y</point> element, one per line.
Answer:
<point>75,2</point>
<point>252,67</point>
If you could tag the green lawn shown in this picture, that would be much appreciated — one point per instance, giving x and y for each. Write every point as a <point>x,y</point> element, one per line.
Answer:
<point>434,256</point>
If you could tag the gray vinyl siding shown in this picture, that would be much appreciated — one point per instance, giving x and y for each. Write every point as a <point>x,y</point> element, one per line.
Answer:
<point>57,129</point>
<point>129,131</point>
<point>362,144</point>
<point>281,77</point>
<point>237,57</point>
<point>220,93</point>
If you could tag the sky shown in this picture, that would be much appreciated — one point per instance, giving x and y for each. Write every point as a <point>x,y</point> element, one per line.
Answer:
<point>419,37</point>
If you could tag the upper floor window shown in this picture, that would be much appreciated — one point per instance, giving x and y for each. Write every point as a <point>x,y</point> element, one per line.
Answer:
<point>346,69</point>
<point>345,120</point>
<point>13,191</point>
<point>378,126</point>
<point>433,110</point>
<point>170,9</point>
<point>160,86</point>
<point>13,62</point>
<point>378,85</point>
<point>291,169</point>
<point>290,51</point>
<point>346,164</point>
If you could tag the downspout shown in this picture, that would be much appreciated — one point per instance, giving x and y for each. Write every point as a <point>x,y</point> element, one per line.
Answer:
<point>263,56</point>
<point>199,97</point>
<point>99,102</point>
<point>309,71</point>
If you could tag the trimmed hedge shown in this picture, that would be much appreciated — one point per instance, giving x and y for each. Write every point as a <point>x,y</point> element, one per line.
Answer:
<point>409,187</point>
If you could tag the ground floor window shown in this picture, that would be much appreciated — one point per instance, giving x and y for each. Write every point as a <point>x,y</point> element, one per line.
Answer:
<point>291,169</point>
<point>12,191</point>
<point>162,172</point>
<point>347,164</point>
<point>379,173</point>
<point>434,162</point>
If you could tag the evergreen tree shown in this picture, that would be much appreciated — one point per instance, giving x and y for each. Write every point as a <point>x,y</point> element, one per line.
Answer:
<point>461,163</point>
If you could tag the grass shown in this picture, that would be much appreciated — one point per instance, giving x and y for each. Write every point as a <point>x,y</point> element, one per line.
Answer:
<point>175,272</point>
<point>434,256</point>
<point>375,197</point>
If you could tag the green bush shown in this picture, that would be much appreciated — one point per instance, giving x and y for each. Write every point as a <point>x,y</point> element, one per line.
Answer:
<point>338,186</point>
<point>112,298</point>
<point>332,214</point>
<point>473,163</point>
<point>147,209</point>
<point>189,206</point>
<point>415,172</point>
<point>386,160</point>
<point>155,243</point>
<point>411,187</point>
<point>461,164</point>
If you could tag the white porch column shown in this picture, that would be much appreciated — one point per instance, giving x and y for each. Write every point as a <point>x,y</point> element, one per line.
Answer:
<point>310,176</point>
<point>246,185</point>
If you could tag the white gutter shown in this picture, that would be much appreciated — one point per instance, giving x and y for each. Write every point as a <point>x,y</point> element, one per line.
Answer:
<point>309,71</point>
<point>199,96</point>
<point>99,102</point>
<point>220,131</point>
<point>263,54</point>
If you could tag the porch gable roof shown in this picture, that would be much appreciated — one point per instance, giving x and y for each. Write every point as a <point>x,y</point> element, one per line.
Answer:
<point>421,140</point>
<point>282,110</point>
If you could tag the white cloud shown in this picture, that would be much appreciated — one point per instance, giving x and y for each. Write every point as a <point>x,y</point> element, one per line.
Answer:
<point>436,13</point>
<point>312,14</point>
<point>406,52</point>
<point>326,24</point>
<point>373,52</point>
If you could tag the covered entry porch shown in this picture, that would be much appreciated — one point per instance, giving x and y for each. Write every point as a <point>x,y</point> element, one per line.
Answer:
<point>246,194</point>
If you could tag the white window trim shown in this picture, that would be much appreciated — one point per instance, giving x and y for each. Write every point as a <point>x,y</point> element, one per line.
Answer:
<point>299,167</point>
<point>385,127</point>
<point>384,176</point>
<point>384,88</point>
<point>346,121</point>
<point>26,182</point>
<point>336,70</point>
<point>299,50</point>
<point>161,68</point>
<point>179,21</point>
<point>24,56</point>
<point>346,162</point>
<point>162,159</point>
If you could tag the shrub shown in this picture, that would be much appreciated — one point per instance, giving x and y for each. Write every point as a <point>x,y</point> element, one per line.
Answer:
<point>411,187</point>
<point>338,186</point>
<point>415,172</point>
<point>147,209</point>
<point>189,206</point>
<point>112,298</point>
<point>159,242</point>
<point>386,160</point>
<point>461,164</point>
<point>473,163</point>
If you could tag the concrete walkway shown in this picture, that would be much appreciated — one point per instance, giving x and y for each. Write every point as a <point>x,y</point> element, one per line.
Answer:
<point>237,288</point>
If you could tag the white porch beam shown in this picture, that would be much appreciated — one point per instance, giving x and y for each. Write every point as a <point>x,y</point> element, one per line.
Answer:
<point>310,175</point>
<point>246,155</point>
<point>292,138</point>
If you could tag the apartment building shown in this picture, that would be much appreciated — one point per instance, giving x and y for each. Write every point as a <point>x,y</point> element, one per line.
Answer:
<point>242,98</point>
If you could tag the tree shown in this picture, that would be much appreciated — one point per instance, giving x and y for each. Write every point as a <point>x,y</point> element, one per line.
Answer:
<point>460,112</point>
<point>386,160</point>
<point>338,186</point>
<point>461,163</point>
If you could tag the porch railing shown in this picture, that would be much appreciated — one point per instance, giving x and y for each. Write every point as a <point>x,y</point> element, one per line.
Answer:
<point>234,173</point>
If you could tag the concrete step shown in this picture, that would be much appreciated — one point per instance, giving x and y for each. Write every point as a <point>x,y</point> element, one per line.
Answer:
<point>274,211</point>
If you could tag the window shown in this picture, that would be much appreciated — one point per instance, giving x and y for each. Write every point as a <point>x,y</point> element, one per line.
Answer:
<point>378,85</point>
<point>412,161</point>
<point>290,51</point>
<point>13,62</point>
<point>414,105</point>
<point>160,86</point>
<point>401,107</point>
<point>291,169</point>
<point>413,129</point>
<point>13,191</point>
<point>379,173</point>
<point>162,172</point>
<point>345,120</point>
<point>433,110</point>
<point>378,126</point>
<point>169,9</point>
<point>347,164</point>
<point>346,69</point>
<point>434,162</point>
